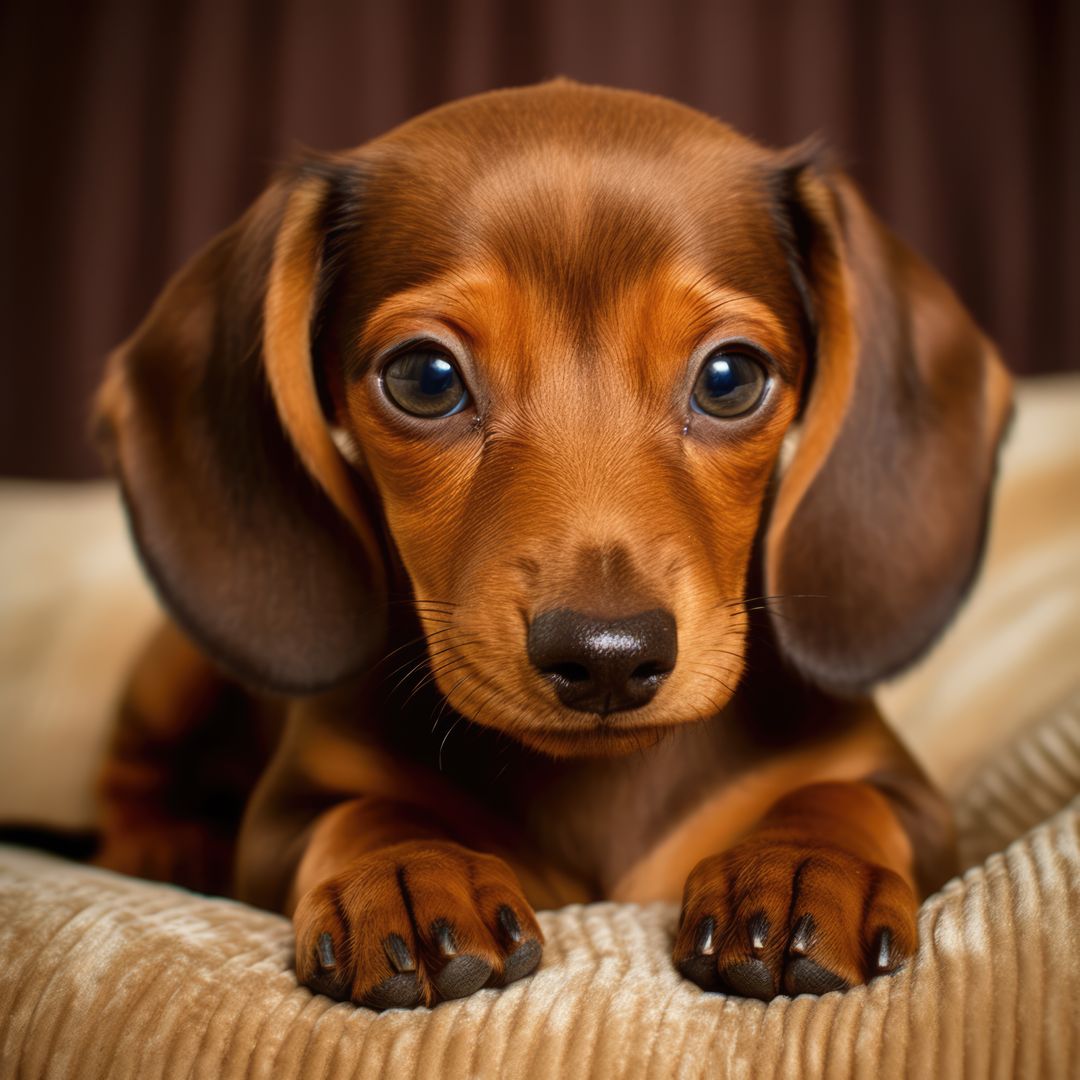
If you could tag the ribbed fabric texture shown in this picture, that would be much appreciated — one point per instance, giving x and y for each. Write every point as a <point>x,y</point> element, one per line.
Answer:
<point>104,976</point>
<point>1018,789</point>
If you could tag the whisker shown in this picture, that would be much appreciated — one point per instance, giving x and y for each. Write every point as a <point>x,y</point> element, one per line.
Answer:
<point>431,679</point>
<point>416,666</point>
<point>427,638</point>
<point>427,655</point>
<point>432,611</point>
<point>787,616</point>
<point>449,731</point>
<point>770,599</point>
<point>722,652</point>
<point>440,710</point>
<point>483,705</point>
<point>448,667</point>
<point>715,678</point>
<point>422,600</point>
<point>747,657</point>
<point>481,683</point>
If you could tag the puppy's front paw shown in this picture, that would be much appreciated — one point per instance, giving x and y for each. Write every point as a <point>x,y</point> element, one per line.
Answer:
<point>414,924</point>
<point>769,918</point>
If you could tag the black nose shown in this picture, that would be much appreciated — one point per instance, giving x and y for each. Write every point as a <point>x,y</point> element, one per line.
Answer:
<point>603,665</point>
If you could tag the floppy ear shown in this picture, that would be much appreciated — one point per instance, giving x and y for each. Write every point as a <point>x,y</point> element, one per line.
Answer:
<point>877,527</point>
<point>245,516</point>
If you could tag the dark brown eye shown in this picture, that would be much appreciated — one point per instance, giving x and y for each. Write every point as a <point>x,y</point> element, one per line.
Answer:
<point>424,382</point>
<point>730,384</point>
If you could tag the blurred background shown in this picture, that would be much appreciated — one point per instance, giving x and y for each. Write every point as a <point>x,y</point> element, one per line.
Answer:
<point>133,130</point>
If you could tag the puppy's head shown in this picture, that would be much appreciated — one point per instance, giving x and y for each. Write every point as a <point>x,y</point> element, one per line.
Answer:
<point>555,339</point>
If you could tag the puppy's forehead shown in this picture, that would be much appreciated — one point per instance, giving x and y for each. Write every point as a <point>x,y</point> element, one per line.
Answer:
<point>584,224</point>
<point>577,187</point>
<point>575,213</point>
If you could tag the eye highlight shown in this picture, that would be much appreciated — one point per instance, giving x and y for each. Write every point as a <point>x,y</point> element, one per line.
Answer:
<point>425,382</point>
<point>731,383</point>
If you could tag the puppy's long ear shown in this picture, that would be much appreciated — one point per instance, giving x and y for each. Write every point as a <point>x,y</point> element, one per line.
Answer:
<point>246,517</point>
<point>878,524</point>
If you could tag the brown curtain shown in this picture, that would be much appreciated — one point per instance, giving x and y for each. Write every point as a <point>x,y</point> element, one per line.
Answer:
<point>134,130</point>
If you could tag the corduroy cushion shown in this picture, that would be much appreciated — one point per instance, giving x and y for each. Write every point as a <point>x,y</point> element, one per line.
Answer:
<point>106,976</point>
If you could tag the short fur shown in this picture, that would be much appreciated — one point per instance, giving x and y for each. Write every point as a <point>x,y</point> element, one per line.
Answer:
<point>578,251</point>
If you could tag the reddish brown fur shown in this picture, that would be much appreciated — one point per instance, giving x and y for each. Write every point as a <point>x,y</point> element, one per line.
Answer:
<point>578,252</point>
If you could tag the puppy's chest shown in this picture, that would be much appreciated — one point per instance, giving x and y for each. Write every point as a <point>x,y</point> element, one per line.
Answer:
<point>625,828</point>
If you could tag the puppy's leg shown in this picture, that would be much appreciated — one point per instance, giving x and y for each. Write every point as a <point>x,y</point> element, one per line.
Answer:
<point>393,899</point>
<point>822,893</point>
<point>184,755</point>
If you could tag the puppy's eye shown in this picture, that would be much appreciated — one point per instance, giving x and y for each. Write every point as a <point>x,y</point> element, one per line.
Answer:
<point>730,384</point>
<point>425,383</point>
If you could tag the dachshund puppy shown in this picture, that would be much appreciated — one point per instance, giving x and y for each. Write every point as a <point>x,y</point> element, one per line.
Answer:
<point>557,474</point>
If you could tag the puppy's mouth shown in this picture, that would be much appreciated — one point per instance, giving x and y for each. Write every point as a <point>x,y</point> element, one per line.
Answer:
<point>582,685</point>
<point>593,736</point>
<point>537,718</point>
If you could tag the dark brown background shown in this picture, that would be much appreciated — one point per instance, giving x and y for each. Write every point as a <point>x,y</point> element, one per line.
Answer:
<point>133,130</point>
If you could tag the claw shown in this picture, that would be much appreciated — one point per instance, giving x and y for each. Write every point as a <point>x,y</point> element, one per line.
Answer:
<point>397,952</point>
<point>705,939</point>
<point>326,951</point>
<point>758,926</point>
<point>884,960</point>
<point>700,966</point>
<point>509,924</point>
<point>802,937</point>
<point>443,933</point>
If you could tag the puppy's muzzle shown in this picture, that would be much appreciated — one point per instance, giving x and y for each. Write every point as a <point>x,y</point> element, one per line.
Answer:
<point>603,665</point>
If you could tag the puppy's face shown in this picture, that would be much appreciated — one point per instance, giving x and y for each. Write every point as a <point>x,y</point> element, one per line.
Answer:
<point>566,349</point>
<point>560,332</point>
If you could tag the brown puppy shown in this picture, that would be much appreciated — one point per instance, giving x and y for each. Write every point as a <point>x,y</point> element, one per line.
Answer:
<point>494,410</point>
